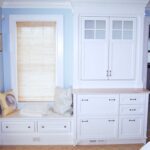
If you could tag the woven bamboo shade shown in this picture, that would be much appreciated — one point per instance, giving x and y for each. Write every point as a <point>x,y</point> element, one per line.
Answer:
<point>36,60</point>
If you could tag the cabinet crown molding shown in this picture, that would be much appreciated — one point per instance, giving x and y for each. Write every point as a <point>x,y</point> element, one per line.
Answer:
<point>63,3</point>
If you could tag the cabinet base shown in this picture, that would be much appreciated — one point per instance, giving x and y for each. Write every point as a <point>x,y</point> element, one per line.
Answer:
<point>105,142</point>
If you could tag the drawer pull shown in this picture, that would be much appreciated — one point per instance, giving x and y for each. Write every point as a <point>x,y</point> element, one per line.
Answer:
<point>112,99</point>
<point>43,127</point>
<point>84,121</point>
<point>132,109</point>
<point>29,127</point>
<point>65,126</point>
<point>132,99</point>
<point>111,120</point>
<point>132,120</point>
<point>7,127</point>
<point>85,100</point>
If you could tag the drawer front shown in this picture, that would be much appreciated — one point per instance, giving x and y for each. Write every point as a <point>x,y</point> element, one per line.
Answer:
<point>131,127</point>
<point>131,109</point>
<point>98,104</point>
<point>54,126</point>
<point>18,127</point>
<point>132,99</point>
<point>104,128</point>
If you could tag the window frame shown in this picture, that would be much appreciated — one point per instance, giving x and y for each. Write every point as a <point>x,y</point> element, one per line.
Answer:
<point>13,19</point>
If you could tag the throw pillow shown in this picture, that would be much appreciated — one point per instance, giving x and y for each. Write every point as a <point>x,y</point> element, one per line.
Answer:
<point>63,100</point>
<point>8,103</point>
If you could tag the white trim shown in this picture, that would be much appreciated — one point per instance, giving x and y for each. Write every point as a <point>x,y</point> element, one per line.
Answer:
<point>59,45</point>
<point>37,4</point>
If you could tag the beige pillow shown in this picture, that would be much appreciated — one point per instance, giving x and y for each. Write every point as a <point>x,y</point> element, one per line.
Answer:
<point>8,103</point>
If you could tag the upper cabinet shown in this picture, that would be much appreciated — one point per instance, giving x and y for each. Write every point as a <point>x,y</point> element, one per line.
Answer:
<point>108,48</point>
<point>108,44</point>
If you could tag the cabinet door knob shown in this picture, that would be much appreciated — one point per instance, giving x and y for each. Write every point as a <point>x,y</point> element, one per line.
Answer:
<point>29,127</point>
<point>6,126</point>
<point>43,127</point>
<point>65,126</point>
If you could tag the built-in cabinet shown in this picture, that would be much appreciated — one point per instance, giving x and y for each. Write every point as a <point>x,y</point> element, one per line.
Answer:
<point>108,117</point>
<point>108,46</point>
<point>36,131</point>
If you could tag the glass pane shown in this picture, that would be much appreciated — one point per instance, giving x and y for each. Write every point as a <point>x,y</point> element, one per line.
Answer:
<point>127,35</point>
<point>100,24</point>
<point>100,34</point>
<point>117,24</point>
<point>117,34</point>
<point>128,25</point>
<point>89,24</point>
<point>89,34</point>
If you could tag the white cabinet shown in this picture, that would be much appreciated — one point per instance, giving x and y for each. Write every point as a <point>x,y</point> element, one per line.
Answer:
<point>54,127</point>
<point>102,128</point>
<point>36,131</point>
<point>94,62</point>
<point>103,117</point>
<point>108,48</point>
<point>132,115</point>
<point>131,127</point>
<point>98,104</point>
<point>18,127</point>
<point>97,116</point>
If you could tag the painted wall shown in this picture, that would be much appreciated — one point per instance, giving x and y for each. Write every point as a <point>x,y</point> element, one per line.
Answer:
<point>1,56</point>
<point>68,39</point>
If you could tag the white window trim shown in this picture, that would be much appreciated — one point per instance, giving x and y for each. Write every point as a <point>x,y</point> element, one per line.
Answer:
<point>13,45</point>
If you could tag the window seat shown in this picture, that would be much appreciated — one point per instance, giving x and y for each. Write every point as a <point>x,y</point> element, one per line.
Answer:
<point>36,109</point>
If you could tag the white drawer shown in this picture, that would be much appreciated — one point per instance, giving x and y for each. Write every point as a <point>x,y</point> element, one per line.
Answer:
<point>131,127</point>
<point>131,109</point>
<point>132,99</point>
<point>103,128</point>
<point>18,127</point>
<point>54,126</point>
<point>98,104</point>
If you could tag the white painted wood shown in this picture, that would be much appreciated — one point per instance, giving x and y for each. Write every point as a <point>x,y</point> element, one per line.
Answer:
<point>37,4</point>
<point>131,127</point>
<point>13,19</point>
<point>94,51</point>
<point>54,127</point>
<point>56,131</point>
<point>18,127</point>
<point>122,50</point>
<point>108,62</point>
<point>132,99</point>
<point>98,104</point>
<point>102,128</point>
<point>132,110</point>
<point>92,114</point>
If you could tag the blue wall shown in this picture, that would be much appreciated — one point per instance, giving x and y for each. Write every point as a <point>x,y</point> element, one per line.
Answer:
<point>68,39</point>
<point>1,57</point>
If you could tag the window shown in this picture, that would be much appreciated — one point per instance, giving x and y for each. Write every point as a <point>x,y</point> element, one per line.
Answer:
<point>122,30</point>
<point>38,57</point>
<point>95,29</point>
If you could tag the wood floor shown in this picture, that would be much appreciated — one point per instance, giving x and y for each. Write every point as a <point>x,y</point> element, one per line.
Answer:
<point>99,147</point>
